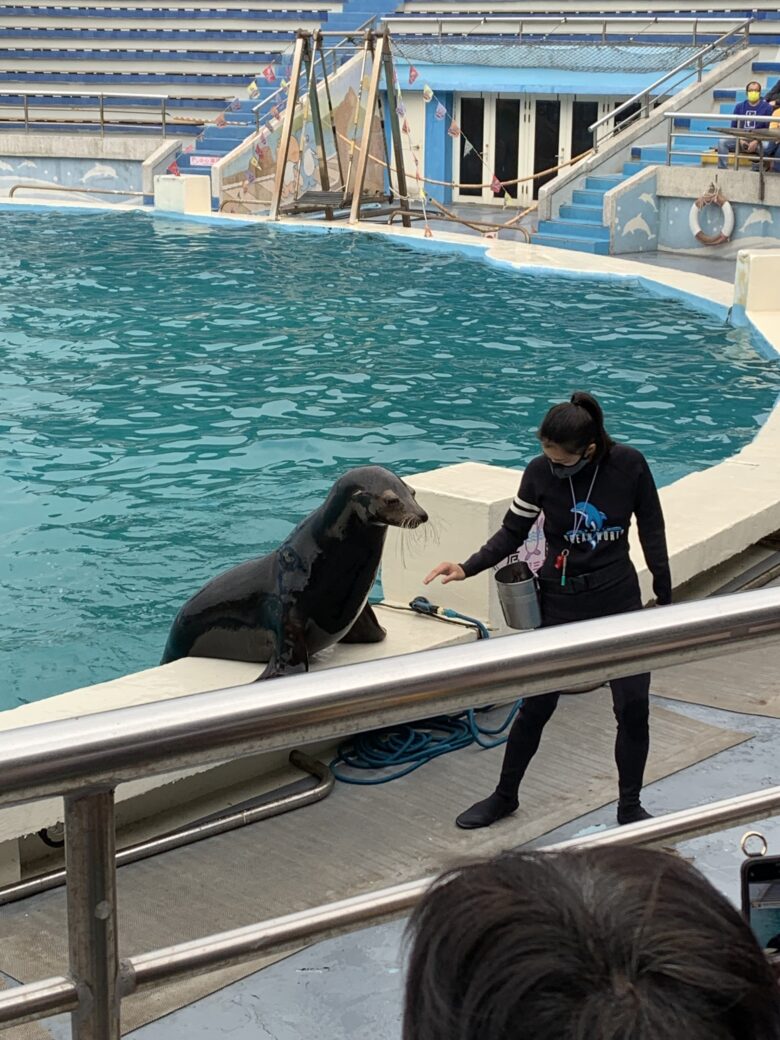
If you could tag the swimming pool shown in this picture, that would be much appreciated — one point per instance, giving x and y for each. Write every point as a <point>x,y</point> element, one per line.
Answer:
<point>174,397</point>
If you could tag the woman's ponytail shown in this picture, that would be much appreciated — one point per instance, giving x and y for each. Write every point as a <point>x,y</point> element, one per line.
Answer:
<point>576,424</point>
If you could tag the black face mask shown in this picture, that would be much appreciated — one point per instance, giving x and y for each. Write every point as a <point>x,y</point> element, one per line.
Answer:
<point>562,472</point>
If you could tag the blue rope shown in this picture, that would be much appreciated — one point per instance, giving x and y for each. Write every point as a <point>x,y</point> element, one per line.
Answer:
<point>405,748</point>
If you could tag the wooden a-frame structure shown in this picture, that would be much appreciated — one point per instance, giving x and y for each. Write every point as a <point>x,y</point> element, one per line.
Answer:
<point>307,47</point>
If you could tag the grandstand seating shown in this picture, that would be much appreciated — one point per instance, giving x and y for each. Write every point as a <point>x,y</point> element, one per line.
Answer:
<point>200,55</point>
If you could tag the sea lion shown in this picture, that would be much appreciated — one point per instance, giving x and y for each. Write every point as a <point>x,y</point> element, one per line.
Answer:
<point>309,593</point>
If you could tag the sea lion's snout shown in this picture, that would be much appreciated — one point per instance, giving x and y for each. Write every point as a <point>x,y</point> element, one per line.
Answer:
<point>399,508</point>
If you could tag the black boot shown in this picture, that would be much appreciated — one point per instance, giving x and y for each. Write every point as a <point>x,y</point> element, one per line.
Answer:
<point>483,813</point>
<point>632,813</point>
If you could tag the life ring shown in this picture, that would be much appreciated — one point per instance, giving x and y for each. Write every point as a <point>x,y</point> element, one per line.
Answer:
<point>714,197</point>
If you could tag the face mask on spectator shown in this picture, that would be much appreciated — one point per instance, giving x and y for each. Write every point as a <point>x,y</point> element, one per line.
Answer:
<point>753,96</point>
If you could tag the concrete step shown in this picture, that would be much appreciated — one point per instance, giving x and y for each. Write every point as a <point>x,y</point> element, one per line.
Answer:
<point>573,229</point>
<point>207,150</point>
<point>230,132</point>
<point>603,183</point>
<point>636,166</point>
<point>185,166</point>
<point>587,214</point>
<point>581,245</point>
<point>585,197</point>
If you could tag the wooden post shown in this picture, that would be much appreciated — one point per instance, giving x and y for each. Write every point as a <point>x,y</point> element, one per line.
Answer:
<point>316,118</point>
<point>368,125</point>
<point>301,46</point>
<point>397,137</point>
<point>351,156</point>
<point>332,118</point>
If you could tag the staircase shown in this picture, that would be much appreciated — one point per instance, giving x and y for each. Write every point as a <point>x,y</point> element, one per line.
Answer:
<point>216,140</point>
<point>580,224</point>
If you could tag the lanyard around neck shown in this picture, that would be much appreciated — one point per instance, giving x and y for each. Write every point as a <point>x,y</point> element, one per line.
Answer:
<point>579,517</point>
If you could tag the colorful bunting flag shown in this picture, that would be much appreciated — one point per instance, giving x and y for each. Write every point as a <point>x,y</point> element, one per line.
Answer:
<point>220,121</point>
<point>285,84</point>
<point>250,176</point>
<point>174,169</point>
<point>468,147</point>
<point>275,112</point>
<point>401,109</point>
<point>491,234</point>
<point>235,105</point>
<point>413,74</point>
<point>188,148</point>
<point>268,74</point>
<point>253,90</point>
<point>454,129</point>
<point>440,112</point>
<point>405,128</point>
<point>495,185</point>
<point>427,233</point>
<point>427,93</point>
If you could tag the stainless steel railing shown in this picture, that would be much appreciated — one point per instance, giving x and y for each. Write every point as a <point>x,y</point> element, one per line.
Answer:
<point>753,160</point>
<point>100,96</point>
<point>645,97</point>
<point>84,760</point>
<point>610,26</point>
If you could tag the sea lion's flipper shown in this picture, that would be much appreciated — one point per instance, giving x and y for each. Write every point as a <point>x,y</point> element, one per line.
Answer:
<point>365,629</point>
<point>292,656</point>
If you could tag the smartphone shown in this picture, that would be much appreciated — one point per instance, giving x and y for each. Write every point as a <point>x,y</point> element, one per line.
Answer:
<point>761,899</point>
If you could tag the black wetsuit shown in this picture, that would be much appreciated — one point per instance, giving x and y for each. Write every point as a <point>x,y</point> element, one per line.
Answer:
<point>600,580</point>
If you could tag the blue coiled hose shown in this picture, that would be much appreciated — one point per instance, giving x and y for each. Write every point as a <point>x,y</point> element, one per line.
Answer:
<point>406,747</point>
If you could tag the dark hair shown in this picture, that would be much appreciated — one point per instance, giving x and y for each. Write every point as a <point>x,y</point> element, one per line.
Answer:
<point>575,424</point>
<point>753,83</point>
<point>585,944</point>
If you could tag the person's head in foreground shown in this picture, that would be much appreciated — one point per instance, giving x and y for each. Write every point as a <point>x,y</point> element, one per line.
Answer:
<point>589,944</point>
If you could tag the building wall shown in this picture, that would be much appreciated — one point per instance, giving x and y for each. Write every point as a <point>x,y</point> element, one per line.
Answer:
<point>82,161</point>
<point>114,175</point>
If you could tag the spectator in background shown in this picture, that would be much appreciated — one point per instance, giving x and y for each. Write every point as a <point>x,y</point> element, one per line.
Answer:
<point>773,96</point>
<point>753,106</point>
<point>587,944</point>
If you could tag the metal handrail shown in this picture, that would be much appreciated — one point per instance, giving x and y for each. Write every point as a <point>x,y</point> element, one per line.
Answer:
<point>643,97</point>
<point>99,95</point>
<point>107,748</point>
<point>80,191</point>
<point>546,18</point>
<point>85,758</point>
<point>673,133</point>
<point>147,970</point>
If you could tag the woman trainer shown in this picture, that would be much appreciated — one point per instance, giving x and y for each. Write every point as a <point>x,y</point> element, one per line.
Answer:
<point>588,487</point>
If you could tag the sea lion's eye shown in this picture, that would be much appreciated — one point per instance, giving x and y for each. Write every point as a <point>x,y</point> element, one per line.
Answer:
<point>391,499</point>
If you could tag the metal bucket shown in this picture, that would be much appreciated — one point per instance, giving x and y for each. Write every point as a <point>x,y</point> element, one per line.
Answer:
<point>519,596</point>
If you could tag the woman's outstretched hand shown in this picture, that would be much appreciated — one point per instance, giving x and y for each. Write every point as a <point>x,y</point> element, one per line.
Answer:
<point>448,572</point>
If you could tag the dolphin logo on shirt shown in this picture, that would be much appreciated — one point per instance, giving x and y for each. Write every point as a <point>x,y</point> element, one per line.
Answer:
<point>589,526</point>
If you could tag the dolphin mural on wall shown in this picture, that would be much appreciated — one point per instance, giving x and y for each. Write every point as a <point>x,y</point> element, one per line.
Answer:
<point>637,223</point>
<point>101,172</point>
<point>757,216</point>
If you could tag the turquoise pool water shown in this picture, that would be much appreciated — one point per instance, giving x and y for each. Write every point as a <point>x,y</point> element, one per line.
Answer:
<point>173,398</point>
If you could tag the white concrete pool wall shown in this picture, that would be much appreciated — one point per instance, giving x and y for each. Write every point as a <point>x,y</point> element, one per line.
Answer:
<point>711,516</point>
